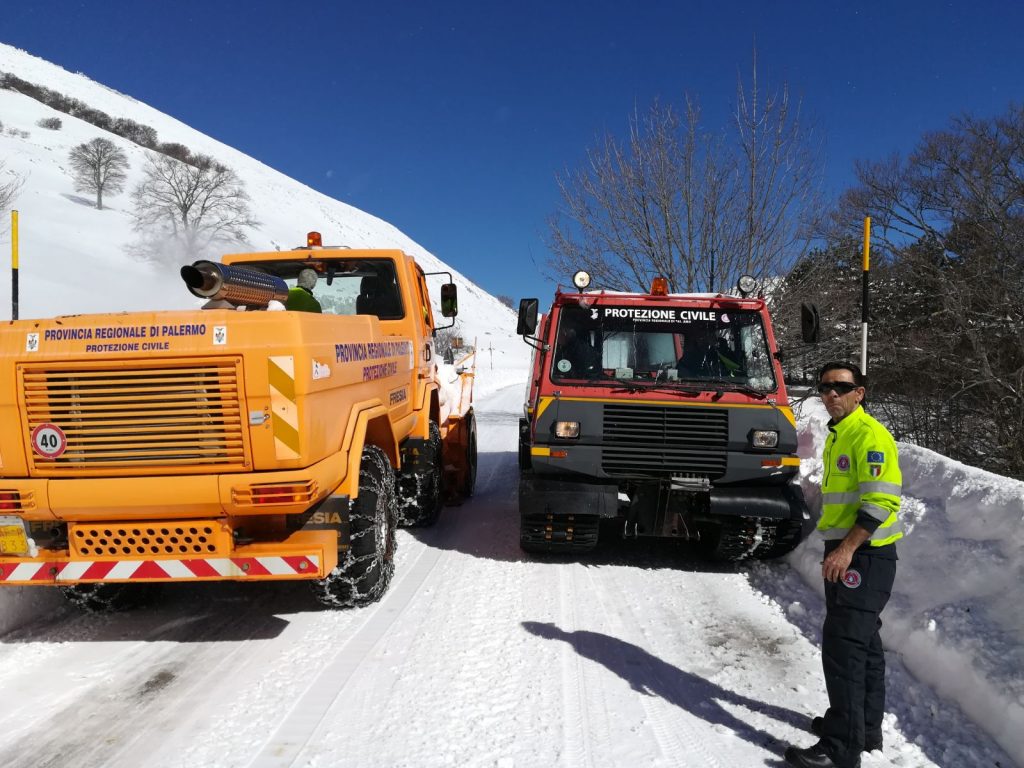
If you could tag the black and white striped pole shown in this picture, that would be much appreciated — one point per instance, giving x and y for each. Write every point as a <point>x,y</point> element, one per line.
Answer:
<point>14,265</point>
<point>864,299</point>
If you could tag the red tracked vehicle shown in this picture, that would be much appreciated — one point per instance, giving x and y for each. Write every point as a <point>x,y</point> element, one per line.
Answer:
<point>666,412</point>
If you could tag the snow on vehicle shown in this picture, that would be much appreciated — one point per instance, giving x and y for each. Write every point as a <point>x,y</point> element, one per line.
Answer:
<point>666,412</point>
<point>219,444</point>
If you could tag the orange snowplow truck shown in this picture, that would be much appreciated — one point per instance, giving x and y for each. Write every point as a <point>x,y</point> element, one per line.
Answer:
<point>219,444</point>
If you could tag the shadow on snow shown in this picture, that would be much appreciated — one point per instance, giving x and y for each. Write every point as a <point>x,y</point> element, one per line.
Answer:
<point>649,675</point>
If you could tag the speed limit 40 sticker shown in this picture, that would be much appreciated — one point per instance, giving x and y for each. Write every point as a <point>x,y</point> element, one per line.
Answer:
<point>49,441</point>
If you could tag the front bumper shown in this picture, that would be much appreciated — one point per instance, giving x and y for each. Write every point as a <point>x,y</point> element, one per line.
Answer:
<point>588,461</point>
<point>304,555</point>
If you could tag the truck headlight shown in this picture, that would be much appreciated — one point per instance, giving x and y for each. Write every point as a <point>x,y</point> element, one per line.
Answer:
<point>764,438</point>
<point>567,429</point>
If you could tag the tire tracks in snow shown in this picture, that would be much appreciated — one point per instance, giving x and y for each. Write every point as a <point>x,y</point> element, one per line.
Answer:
<point>337,698</point>
<point>675,736</point>
<point>122,695</point>
<point>286,744</point>
<point>576,726</point>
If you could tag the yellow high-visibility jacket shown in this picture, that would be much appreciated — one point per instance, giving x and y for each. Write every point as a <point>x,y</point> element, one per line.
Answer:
<point>861,483</point>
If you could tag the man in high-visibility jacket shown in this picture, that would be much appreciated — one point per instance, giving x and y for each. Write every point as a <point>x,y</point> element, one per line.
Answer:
<point>301,298</point>
<point>860,487</point>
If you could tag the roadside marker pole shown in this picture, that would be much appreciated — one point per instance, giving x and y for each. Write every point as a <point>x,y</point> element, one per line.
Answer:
<point>14,265</point>
<point>864,299</point>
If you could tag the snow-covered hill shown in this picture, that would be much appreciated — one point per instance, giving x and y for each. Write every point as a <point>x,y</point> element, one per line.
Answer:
<point>73,257</point>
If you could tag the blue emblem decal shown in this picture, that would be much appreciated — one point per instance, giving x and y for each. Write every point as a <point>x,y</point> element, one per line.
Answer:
<point>876,457</point>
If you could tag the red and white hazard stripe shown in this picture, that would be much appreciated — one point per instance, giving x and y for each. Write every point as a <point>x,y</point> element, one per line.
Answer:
<point>162,570</point>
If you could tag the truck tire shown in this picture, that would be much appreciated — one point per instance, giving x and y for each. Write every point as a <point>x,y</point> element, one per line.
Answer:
<point>110,598</point>
<point>365,569</point>
<point>420,491</point>
<point>469,481</point>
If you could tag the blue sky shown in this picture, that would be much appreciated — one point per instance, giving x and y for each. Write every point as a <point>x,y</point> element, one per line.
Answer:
<point>451,119</point>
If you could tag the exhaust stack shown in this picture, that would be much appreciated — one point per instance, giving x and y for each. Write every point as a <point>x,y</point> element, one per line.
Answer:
<point>240,286</point>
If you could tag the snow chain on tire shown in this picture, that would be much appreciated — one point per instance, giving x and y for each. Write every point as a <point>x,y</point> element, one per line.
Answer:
<point>365,570</point>
<point>420,495</point>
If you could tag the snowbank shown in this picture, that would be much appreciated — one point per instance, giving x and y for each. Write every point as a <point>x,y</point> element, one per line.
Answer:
<point>956,617</point>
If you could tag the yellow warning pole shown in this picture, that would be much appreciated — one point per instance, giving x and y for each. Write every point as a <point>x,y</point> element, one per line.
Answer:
<point>14,265</point>
<point>864,298</point>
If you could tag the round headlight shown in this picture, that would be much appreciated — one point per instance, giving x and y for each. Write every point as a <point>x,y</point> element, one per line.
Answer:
<point>747,284</point>
<point>581,279</point>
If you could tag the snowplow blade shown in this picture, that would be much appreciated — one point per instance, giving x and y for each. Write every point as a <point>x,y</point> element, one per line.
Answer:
<point>458,432</point>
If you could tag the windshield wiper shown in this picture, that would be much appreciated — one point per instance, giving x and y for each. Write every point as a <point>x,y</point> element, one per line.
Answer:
<point>643,387</point>
<point>732,386</point>
<point>737,387</point>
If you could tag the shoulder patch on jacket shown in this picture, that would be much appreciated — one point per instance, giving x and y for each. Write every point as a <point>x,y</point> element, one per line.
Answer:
<point>876,457</point>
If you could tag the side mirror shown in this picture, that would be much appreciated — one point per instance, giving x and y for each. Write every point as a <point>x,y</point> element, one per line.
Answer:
<point>527,317</point>
<point>810,323</point>
<point>449,300</point>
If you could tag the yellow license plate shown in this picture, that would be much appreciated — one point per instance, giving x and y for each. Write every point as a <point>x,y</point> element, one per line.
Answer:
<point>13,540</point>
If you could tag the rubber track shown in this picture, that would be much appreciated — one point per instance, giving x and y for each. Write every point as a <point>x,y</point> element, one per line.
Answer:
<point>746,537</point>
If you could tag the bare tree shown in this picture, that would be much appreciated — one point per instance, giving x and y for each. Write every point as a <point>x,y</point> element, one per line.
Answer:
<point>188,209</point>
<point>699,207</point>
<point>782,171</point>
<point>10,185</point>
<point>829,278</point>
<point>949,350</point>
<point>99,166</point>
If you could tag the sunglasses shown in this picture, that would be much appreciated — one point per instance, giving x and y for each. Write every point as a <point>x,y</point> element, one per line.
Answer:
<point>839,387</point>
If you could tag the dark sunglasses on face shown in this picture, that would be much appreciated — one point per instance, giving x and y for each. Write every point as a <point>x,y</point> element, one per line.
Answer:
<point>839,387</point>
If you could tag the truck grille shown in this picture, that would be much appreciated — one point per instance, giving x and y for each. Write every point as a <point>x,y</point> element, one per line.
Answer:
<point>181,416</point>
<point>642,440</point>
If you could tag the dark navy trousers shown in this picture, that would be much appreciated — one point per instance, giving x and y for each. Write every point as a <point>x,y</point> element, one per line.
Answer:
<point>852,657</point>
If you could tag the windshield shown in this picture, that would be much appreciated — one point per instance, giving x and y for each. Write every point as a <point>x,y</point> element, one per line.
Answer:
<point>345,286</point>
<point>667,346</point>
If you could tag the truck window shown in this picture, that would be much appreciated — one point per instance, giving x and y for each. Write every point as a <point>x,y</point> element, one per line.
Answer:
<point>664,345</point>
<point>426,316</point>
<point>356,286</point>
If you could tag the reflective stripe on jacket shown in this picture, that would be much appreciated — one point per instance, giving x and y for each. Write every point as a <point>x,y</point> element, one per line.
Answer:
<point>861,477</point>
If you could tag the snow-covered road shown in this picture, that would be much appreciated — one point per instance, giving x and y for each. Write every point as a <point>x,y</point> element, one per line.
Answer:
<point>640,655</point>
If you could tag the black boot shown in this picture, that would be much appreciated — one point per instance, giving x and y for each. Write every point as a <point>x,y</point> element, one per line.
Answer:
<point>810,757</point>
<point>871,743</point>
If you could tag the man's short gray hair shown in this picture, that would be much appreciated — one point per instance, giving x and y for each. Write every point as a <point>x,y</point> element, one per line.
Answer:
<point>307,279</point>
